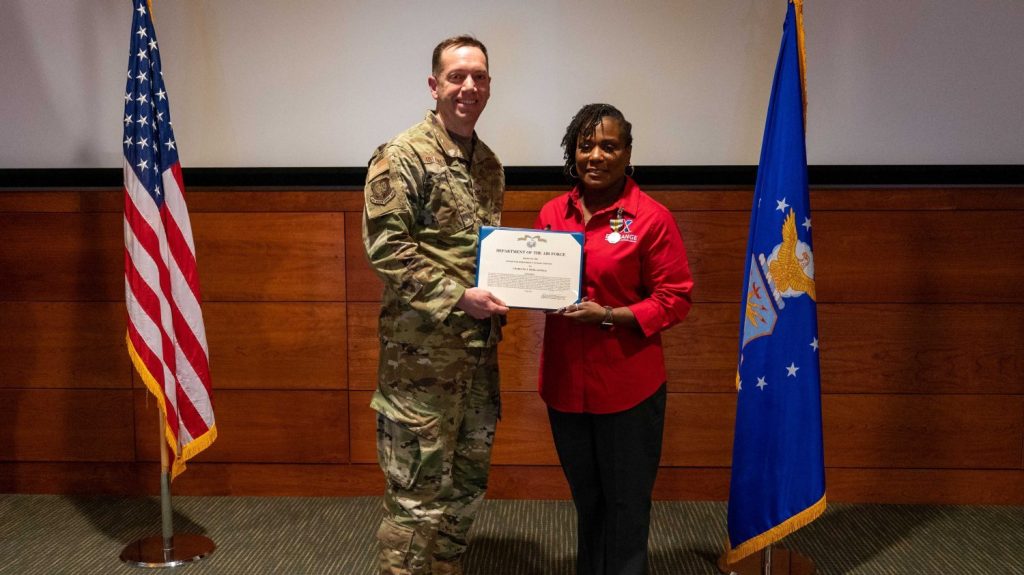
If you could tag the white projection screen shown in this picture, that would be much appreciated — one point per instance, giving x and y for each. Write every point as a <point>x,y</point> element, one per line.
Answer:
<point>320,83</point>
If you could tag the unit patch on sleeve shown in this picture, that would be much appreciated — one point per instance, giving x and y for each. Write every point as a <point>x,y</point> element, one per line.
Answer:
<point>381,191</point>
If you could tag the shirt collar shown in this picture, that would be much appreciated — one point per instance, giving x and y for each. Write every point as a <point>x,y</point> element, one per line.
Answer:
<point>628,201</point>
<point>447,145</point>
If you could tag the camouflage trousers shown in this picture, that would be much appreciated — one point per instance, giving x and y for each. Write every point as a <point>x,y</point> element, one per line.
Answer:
<point>437,412</point>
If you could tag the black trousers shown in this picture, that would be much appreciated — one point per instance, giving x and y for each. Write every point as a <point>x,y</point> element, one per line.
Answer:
<point>610,461</point>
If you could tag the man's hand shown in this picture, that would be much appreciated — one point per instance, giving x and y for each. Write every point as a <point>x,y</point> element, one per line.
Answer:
<point>481,304</point>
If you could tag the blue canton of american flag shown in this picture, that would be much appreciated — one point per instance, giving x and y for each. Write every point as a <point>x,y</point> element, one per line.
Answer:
<point>166,336</point>
<point>149,146</point>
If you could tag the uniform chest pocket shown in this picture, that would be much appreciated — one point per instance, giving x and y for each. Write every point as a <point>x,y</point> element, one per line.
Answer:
<point>449,204</point>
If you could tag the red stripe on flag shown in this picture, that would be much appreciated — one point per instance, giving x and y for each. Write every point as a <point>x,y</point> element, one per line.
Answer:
<point>190,417</point>
<point>182,254</point>
<point>155,370</point>
<point>192,349</point>
<point>179,245</point>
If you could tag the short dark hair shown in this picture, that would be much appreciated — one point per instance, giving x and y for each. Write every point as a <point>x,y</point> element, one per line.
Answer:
<point>456,42</point>
<point>583,125</point>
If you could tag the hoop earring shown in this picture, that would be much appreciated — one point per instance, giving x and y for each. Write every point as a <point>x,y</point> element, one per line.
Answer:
<point>630,169</point>
<point>575,176</point>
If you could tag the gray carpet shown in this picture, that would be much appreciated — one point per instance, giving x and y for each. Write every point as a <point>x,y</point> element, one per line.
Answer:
<point>299,536</point>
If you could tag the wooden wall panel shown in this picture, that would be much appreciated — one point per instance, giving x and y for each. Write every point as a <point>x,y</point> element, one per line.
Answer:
<point>61,257</point>
<point>715,246</point>
<point>527,482</point>
<point>520,219</point>
<point>63,345</point>
<point>70,478</point>
<point>698,430</point>
<point>869,348</point>
<point>922,348</point>
<point>262,427</point>
<point>277,345</point>
<point>690,483</point>
<point>362,427</point>
<point>271,479</point>
<point>66,425</point>
<point>363,284</point>
<point>40,201</point>
<point>524,435</point>
<point>926,486</point>
<point>701,352</point>
<point>363,345</point>
<point>270,256</point>
<point>519,351</point>
<point>920,322</point>
<point>894,486</point>
<point>924,431</point>
<point>909,257</point>
<point>857,253</point>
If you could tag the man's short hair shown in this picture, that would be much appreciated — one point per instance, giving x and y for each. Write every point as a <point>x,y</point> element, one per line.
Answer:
<point>456,42</point>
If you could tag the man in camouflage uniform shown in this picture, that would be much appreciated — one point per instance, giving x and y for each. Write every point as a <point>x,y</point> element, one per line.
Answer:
<point>427,193</point>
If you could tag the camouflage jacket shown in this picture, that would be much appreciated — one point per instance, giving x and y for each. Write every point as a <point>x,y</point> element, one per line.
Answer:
<point>424,203</point>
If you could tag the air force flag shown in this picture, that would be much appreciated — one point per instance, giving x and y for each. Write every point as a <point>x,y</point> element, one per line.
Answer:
<point>778,469</point>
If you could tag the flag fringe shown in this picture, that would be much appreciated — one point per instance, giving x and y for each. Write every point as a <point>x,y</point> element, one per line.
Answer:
<point>798,5</point>
<point>774,534</point>
<point>196,445</point>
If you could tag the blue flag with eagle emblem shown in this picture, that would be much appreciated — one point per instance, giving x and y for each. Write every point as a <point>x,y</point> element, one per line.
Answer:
<point>778,462</point>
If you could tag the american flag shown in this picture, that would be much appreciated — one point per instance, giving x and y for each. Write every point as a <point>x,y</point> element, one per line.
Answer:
<point>166,338</point>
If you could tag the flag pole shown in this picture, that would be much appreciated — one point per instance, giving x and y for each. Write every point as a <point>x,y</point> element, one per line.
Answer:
<point>166,514</point>
<point>167,550</point>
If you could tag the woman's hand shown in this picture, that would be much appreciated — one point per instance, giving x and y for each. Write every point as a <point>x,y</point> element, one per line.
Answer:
<point>584,312</point>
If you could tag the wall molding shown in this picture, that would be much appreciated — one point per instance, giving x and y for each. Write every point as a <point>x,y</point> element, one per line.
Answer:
<point>539,176</point>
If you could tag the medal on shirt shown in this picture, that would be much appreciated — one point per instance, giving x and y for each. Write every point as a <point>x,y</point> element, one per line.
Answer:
<point>615,224</point>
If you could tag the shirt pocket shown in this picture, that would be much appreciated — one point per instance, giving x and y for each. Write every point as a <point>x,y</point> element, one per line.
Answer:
<point>448,204</point>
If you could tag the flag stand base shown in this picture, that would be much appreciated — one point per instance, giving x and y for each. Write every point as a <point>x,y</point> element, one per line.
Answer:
<point>780,561</point>
<point>150,552</point>
<point>166,549</point>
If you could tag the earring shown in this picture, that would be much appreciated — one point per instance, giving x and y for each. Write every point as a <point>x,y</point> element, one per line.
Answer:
<point>575,176</point>
<point>629,170</point>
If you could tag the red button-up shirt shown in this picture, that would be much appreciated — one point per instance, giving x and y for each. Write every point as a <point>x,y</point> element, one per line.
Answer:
<point>585,369</point>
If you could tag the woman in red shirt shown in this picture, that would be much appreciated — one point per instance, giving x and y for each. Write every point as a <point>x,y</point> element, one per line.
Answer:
<point>602,370</point>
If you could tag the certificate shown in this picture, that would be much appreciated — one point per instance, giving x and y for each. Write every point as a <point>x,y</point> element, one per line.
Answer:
<point>533,269</point>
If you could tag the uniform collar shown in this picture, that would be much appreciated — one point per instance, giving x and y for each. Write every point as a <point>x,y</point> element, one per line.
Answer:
<point>628,201</point>
<point>448,146</point>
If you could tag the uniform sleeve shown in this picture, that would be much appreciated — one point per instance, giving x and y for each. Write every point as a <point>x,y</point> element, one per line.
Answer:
<point>391,215</point>
<point>666,276</point>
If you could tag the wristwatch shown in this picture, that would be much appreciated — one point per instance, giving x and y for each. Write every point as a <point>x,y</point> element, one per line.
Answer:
<point>607,322</point>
